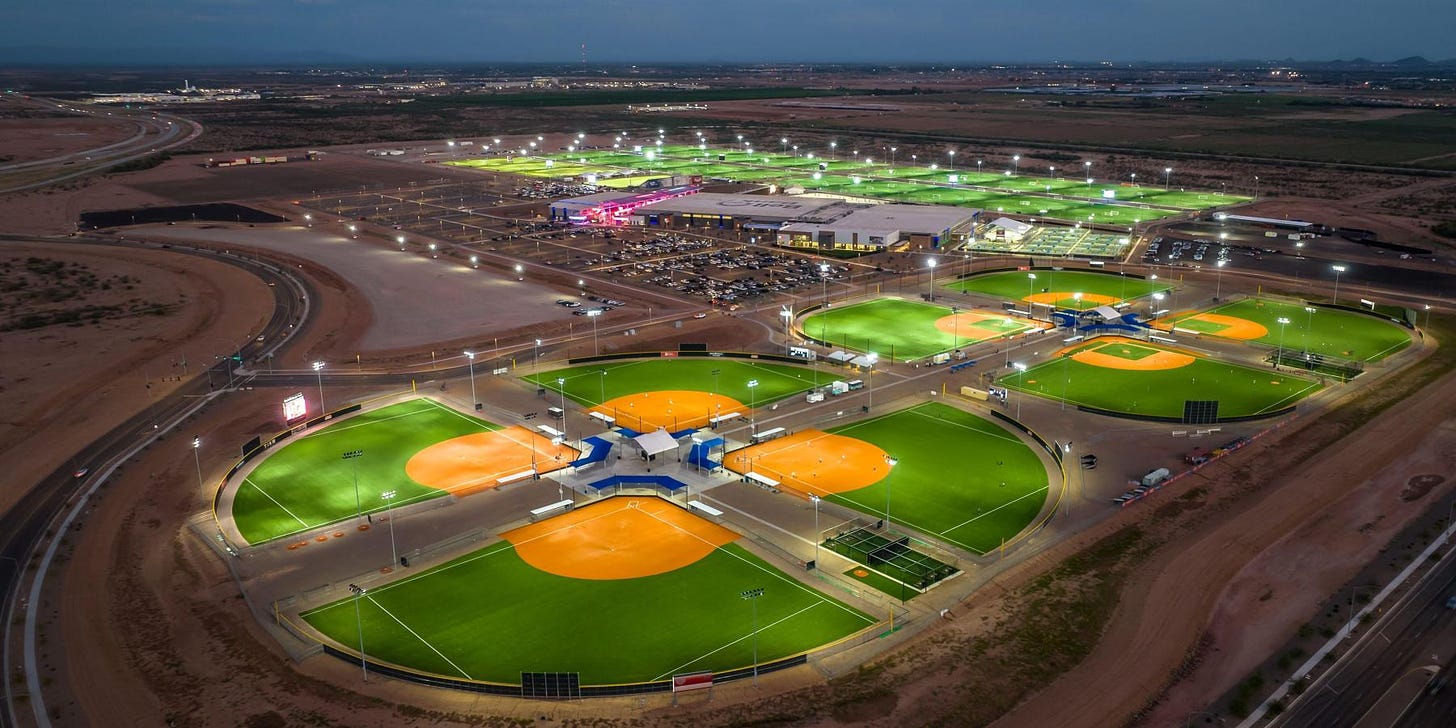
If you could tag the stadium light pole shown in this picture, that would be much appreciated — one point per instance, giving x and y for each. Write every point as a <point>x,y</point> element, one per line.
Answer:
<point>815,500</point>
<point>892,155</point>
<point>1015,163</point>
<point>1218,287</point>
<point>1087,167</point>
<point>1157,301</point>
<point>891,462</point>
<point>197,458</point>
<point>561,388</point>
<point>870,388</point>
<point>1279,358</point>
<point>951,164</point>
<point>824,283</point>
<point>388,498</point>
<point>752,404</point>
<point>1167,177</point>
<point>1030,284</point>
<point>1338,270</point>
<point>359,625</point>
<point>470,355</point>
<point>353,457</point>
<point>1256,187</point>
<point>1309,328</point>
<point>318,369</point>
<point>784,142</point>
<point>832,147</point>
<point>752,595</point>
<point>1021,369</point>
<point>931,288</point>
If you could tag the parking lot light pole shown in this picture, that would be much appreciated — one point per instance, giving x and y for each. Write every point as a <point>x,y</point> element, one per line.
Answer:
<point>474,401</point>
<point>752,595</point>
<point>1218,287</point>
<point>359,624</point>
<point>1338,269</point>
<point>388,497</point>
<point>536,356</point>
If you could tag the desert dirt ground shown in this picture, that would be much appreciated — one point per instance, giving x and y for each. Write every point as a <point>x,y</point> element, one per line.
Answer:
<point>29,139</point>
<point>119,365</point>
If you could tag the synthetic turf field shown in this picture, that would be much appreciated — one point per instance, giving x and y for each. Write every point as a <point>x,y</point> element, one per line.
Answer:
<point>305,483</point>
<point>1017,286</point>
<point>902,330</point>
<point>490,615</point>
<point>1133,389</point>
<point>1326,331</point>
<point>587,385</point>
<point>958,478</point>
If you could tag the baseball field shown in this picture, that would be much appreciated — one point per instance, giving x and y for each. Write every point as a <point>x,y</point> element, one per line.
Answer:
<point>1140,378</point>
<point>1318,330</point>
<point>904,330</point>
<point>624,590</point>
<point>418,450</point>
<point>1060,288</point>
<point>676,393</point>
<point>956,477</point>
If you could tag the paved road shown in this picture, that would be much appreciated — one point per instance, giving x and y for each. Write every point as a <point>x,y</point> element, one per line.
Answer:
<point>23,525</point>
<point>155,132</point>
<point>1419,631</point>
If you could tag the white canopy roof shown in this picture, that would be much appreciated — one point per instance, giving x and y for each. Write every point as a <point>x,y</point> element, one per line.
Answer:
<point>1015,226</point>
<point>656,442</point>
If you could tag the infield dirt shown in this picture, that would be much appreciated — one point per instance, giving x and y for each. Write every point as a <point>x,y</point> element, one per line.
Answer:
<point>619,539</point>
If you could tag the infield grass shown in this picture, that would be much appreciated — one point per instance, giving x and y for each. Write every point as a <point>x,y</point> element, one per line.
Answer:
<point>959,478</point>
<point>306,483</point>
<point>1326,331</point>
<point>586,384</point>
<point>489,616</point>
<point>1240,390</point>
<point>898,329</point>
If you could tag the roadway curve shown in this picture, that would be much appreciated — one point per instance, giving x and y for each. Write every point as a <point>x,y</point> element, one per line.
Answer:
<point>23,528</point>
<point>156,132</point>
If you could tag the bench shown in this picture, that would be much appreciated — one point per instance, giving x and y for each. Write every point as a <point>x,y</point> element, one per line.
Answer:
<point>705,508</point>
<point>552,508</point>
<point>723,418</point>
<point>513,477</point>
<point>607,420</point>
<point>770,434</point>
<point>762,481</point>
<point>550,431</point>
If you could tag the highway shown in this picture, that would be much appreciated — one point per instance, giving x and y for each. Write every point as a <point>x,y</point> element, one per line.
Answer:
<point>1419,631</point>
<point>155,132</point>
<point>22,527</point>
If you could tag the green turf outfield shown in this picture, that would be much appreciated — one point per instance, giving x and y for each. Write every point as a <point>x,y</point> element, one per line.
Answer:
<point>585,384</point>
<point>896,329</point>
<point>1016,285</point>
<point>1326,331</point>
<point>959,478</point>
<point>1241,391</point>
<point>489,616</point>
<point>306,483</point>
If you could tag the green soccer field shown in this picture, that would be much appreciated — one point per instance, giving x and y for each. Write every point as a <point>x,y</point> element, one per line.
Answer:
<point>587,385</point>
<point>1017,286</point>
<point>959,478</point>
<point>306,483</point>
<point>490,616</point>
<point>1241,391</point>
<point>898,329</point>
<point>1326,331</point>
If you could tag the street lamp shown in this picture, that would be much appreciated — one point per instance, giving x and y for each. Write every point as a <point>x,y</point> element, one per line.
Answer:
<point>359,624</point>
<point>388,498</point>
<point>752,595</point>
<point>1218,288</point>
<point>931,291</point>
<point>1279,358</point>
<point>353,457</point>
<point>474,401</point>
<point>1021,369</point>
<point>197,458</point>
<point>318,370</point>
<point>752,403</point>
<point>1338,270</point>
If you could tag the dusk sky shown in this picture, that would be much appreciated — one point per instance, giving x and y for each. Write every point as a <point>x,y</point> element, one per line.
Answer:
<point>616,31</point>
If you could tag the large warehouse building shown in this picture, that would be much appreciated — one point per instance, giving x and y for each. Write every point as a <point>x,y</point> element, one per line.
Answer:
<point>801,222</point>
